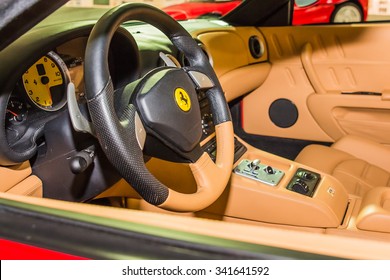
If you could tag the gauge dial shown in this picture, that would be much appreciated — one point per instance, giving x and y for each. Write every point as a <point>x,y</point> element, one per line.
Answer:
<point>16,111</point>
<point>45,82</point>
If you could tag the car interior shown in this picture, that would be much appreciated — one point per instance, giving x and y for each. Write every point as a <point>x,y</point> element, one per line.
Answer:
<point>256,131</point>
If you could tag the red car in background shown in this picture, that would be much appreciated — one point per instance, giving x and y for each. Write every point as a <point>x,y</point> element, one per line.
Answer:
<point>305,11</point>
<point>329,11</point>
<point>200,8</point>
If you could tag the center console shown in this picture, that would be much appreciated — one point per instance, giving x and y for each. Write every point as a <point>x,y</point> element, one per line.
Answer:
<point>268,188</point>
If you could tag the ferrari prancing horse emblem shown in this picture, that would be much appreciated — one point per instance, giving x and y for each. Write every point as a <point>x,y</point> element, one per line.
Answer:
<point>182,99</point>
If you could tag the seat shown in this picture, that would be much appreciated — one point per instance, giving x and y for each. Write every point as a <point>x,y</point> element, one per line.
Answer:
<point>358,163</point>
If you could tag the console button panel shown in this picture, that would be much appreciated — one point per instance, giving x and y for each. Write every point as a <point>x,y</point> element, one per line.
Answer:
<point>304,182</point>
<point>260,172</point>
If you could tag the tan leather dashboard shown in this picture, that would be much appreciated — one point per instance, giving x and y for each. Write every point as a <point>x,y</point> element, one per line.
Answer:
<point>238,70</point>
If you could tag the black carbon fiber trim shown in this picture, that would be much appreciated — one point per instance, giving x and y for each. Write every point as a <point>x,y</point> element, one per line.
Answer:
<point>118,140</point>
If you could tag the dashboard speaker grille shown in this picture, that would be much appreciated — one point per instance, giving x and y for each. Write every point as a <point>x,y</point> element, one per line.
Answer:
<point>256,47</point>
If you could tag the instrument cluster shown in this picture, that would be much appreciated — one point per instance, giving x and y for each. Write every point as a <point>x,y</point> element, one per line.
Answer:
<point>41,90</point>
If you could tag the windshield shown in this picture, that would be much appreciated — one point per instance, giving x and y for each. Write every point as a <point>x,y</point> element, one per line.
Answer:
<point>305,11</point>
<point>156,3</point>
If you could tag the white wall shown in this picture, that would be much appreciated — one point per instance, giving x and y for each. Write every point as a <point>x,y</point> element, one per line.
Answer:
<point>379,7</point>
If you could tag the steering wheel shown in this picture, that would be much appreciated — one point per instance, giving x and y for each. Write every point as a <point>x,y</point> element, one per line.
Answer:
<point>164,105</point>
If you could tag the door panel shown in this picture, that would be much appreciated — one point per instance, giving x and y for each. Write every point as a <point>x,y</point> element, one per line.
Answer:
<point>373,123</point>
<point>317,68</point>
<point>341,114</point>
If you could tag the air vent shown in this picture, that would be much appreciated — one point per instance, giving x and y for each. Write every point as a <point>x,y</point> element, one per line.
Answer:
<point>256,47</point>
<point>184,60</point>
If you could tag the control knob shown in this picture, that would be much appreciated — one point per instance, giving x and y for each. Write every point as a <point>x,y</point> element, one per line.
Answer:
<point>300,187</point>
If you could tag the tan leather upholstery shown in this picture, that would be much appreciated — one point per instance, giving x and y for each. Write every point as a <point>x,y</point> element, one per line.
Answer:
<point>358,163</point>
<point>374,213</point>
<point>211,178</point>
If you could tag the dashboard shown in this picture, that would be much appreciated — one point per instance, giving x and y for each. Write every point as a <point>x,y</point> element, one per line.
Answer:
<point>34,97</point>
<point>40,92</point>
<point>35,75</point>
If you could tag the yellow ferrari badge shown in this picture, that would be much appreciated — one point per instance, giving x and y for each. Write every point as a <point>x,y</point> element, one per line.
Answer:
<point>182,99</point>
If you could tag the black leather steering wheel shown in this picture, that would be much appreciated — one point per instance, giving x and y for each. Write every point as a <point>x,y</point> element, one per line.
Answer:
<point>163,104</point>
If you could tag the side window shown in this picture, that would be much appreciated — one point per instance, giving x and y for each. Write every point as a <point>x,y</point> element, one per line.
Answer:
<point>305,11</point>
<point>304,3</point>
<point>340,11</point>
<point>329,11</point>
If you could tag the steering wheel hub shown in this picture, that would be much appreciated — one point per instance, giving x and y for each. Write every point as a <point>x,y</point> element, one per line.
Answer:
<point>168,106</point>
